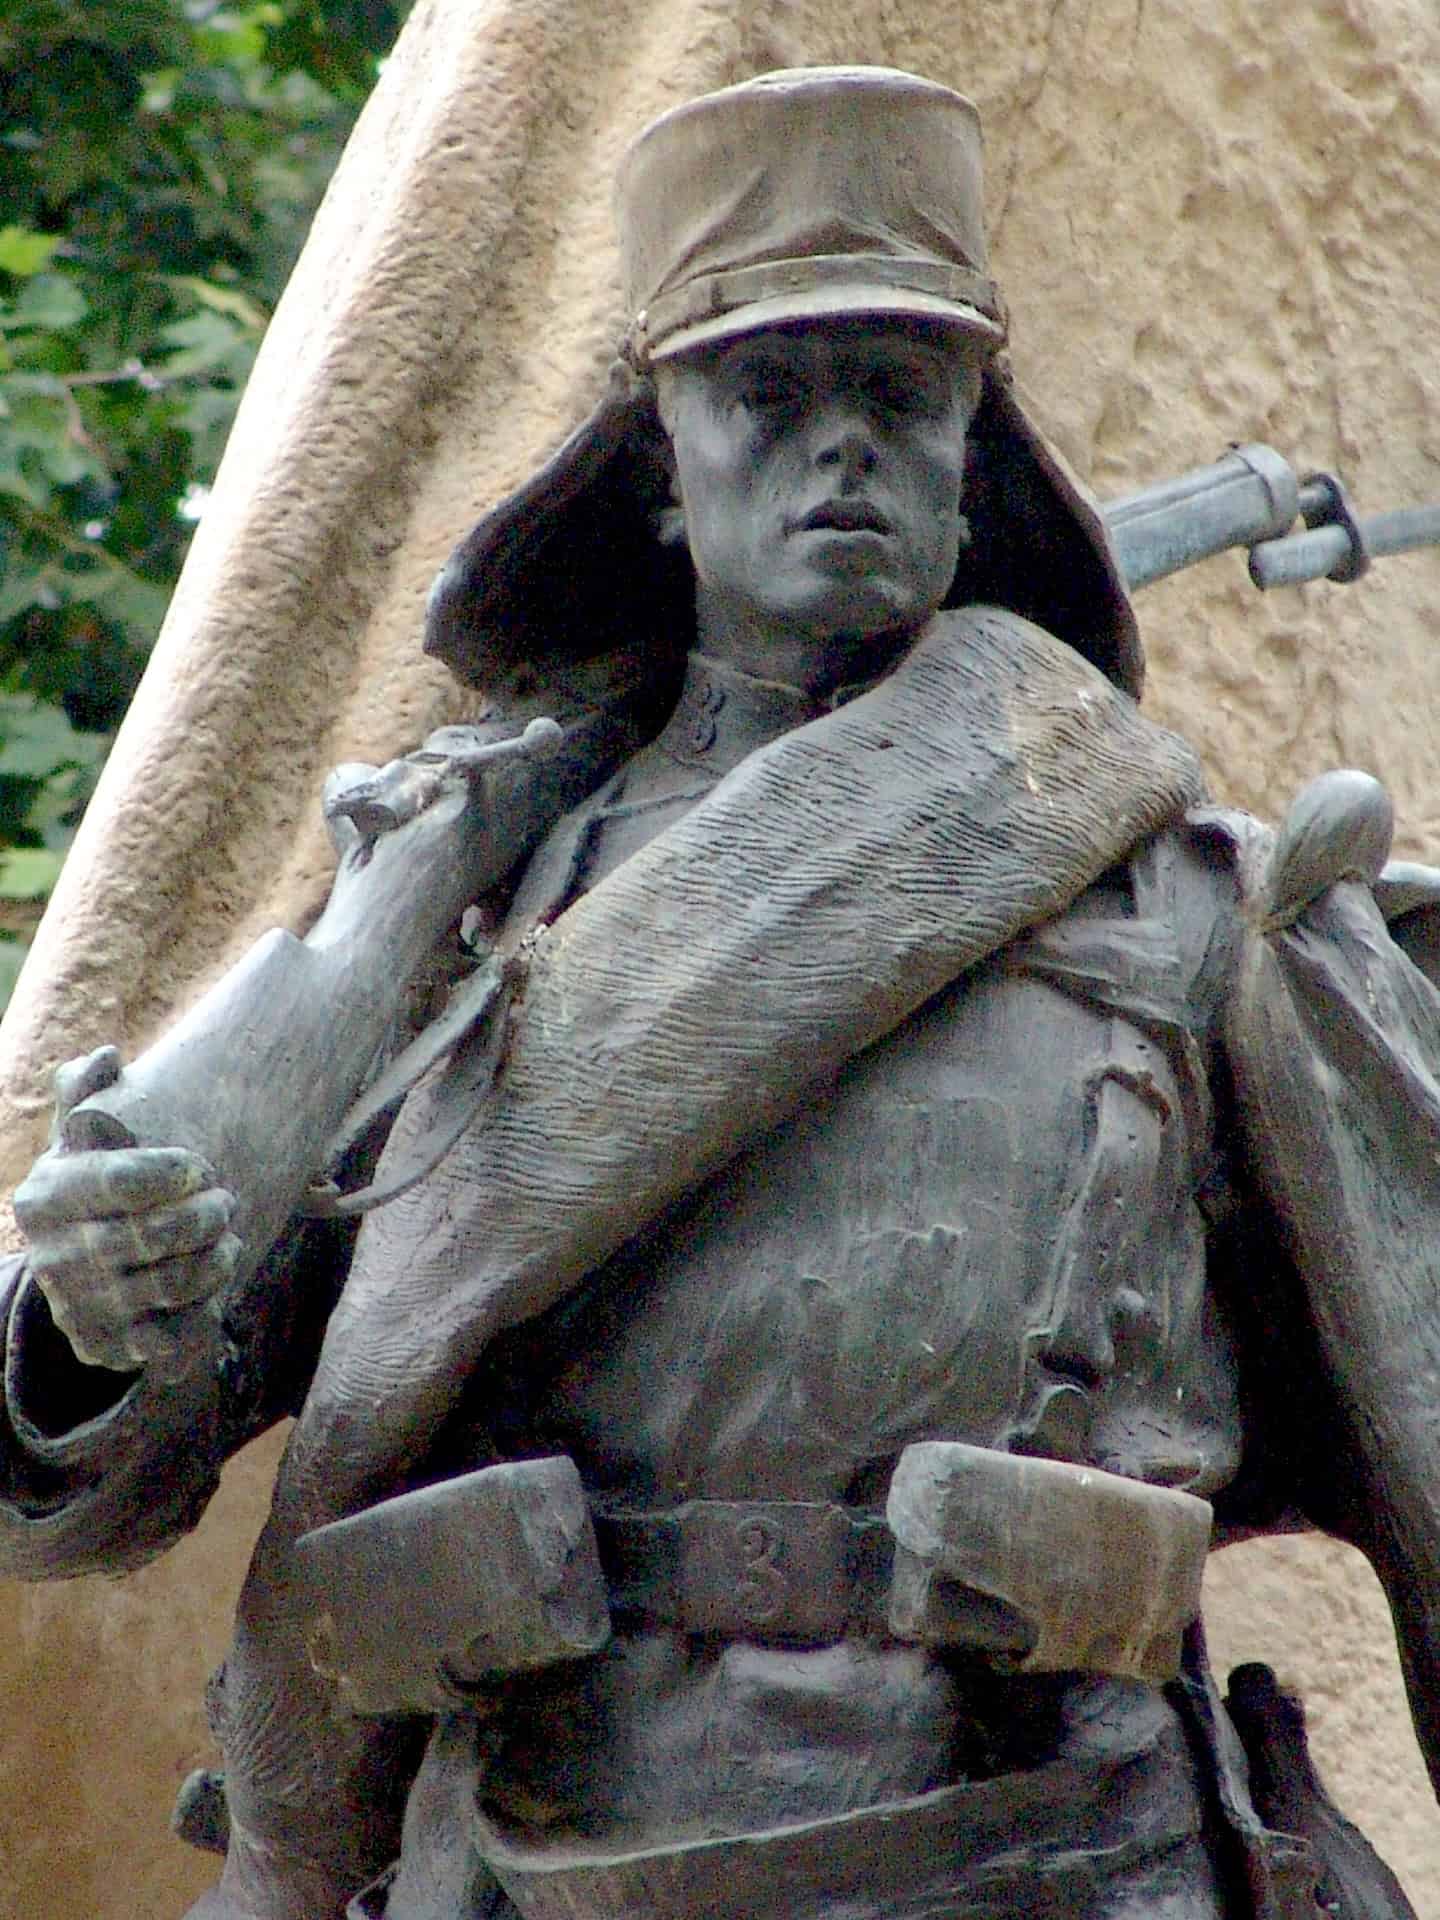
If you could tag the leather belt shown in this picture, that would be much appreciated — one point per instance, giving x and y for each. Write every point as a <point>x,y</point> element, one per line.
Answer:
<point>788,1571</point>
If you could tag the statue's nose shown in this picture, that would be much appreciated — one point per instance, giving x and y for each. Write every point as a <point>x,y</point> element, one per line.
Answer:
<point>847,445</point>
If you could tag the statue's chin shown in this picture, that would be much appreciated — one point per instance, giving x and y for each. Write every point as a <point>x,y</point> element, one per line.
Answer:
<point>851,613</point>
<point>847,589</point>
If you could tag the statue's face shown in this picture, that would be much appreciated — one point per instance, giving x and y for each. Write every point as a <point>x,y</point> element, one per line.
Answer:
<point>819,472</point>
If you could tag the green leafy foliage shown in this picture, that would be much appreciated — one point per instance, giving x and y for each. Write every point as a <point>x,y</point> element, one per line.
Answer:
<point>161,162</point>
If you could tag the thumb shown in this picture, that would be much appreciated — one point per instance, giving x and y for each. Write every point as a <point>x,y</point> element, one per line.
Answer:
<point>76,1080</point>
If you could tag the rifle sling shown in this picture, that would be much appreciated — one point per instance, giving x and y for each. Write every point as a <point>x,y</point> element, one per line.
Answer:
<point>471,1032</point>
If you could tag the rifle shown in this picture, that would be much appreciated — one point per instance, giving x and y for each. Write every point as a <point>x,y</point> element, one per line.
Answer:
<point>271,1076</point>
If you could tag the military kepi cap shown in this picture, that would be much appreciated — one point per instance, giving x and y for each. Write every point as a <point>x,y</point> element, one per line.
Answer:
<point>805,195</point>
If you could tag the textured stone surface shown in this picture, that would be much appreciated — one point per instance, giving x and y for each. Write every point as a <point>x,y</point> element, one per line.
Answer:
<point>1212,224</point>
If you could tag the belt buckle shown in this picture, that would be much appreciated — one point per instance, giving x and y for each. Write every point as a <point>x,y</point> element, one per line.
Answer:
<point>765,1569</point>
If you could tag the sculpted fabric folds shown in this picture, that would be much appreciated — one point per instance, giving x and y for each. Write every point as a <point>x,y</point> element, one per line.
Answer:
<point>827,888</point>
<point>821,893</point>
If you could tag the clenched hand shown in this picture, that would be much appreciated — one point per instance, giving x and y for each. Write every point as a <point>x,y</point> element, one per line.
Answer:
<point>123,1242</point>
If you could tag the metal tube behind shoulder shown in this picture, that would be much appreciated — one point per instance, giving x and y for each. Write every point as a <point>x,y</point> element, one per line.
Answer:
<point>1251,494</point>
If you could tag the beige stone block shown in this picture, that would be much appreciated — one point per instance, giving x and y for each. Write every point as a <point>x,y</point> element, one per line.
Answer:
<point>1213,224</point>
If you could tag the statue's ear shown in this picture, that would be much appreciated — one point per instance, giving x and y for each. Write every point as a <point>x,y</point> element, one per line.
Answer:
<point>670,526</point>
<point>668,519</point>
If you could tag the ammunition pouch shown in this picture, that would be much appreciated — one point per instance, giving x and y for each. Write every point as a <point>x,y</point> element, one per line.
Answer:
<point>412,1604</point>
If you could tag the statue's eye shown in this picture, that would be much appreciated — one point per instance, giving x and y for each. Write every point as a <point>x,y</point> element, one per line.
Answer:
<point>767,393</point>
<point>899,392</point>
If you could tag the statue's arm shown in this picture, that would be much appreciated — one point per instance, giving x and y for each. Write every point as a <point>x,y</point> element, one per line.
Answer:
<point>1334,1040</point>
<point>102,1469</point>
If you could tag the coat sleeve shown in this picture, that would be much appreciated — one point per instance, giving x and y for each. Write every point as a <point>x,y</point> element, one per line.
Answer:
<point>100,1471</point>
<point>1334,1040</point>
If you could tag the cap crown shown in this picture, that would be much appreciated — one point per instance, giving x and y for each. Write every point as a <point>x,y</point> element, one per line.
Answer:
<point>809,192</point>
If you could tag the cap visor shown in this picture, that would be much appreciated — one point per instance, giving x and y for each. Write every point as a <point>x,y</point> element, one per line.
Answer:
<point>859,302</point>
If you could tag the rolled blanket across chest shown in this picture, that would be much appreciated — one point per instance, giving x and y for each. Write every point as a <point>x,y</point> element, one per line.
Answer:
<point>706,989</point>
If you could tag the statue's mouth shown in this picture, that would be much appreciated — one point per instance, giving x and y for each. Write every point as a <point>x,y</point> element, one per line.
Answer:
<point>844,516</point>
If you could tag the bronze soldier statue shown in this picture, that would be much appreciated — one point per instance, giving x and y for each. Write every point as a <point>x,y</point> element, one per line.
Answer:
<point>926,1164</point>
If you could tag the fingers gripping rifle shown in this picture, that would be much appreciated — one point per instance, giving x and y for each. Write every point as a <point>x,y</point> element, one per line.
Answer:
<point>1252,498</point>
